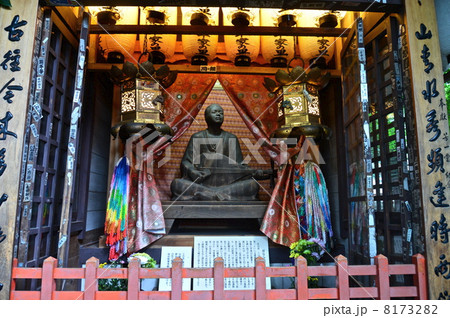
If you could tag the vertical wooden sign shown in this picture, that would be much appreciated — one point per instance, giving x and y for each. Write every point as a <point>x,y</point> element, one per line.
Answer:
<point>17,33</point>
<point>433,140</point>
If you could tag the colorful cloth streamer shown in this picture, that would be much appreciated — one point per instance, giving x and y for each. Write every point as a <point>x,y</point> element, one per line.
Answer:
<point>312,202</point>
<point>116,221</point>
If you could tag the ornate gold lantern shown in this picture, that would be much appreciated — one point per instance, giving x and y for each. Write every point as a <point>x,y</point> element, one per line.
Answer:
<point>299,111</point>
<point>142,100</point>
<point>300,104</point>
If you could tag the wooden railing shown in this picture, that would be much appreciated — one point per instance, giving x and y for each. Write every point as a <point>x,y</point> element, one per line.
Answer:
<point>49,273</point>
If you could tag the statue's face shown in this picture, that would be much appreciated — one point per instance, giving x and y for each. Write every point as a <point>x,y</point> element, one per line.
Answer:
<point>215,115</point>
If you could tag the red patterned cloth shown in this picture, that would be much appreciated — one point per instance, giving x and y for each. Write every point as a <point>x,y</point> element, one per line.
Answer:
<point>281,222</point>
<point>145,215</point>
<point>259,110</point>
<point>257,107</point>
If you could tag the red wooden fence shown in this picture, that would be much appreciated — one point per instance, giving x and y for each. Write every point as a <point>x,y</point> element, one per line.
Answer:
<point>341,270</point>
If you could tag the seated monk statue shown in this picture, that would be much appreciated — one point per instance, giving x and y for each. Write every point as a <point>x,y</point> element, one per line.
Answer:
<point>212,168</point>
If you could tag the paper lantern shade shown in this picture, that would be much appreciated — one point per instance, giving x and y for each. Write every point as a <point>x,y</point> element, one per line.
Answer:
<point>200,49</point>
<point>116,46</point>
<point>317,50</point>
<point>276,50</point>
<point>161,46</point>
<point>241,49</point>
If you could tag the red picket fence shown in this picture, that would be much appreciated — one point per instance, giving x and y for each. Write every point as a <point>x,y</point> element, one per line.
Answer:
<point>49,273</point>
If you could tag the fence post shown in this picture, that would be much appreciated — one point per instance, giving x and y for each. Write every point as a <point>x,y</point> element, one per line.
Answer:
<point>219,277</point>
<point>133,279</point>
<point>13,280</point>
<point>48,284</point>
<point>260,279</point>
<point>302,278</point>
<point>91,283</point>
<point>420,280</point>
<point>177,278</point>
<point>342,283</point>
<point>384,291</point>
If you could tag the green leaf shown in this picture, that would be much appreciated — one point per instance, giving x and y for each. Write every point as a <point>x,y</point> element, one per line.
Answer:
<point>5,3</point>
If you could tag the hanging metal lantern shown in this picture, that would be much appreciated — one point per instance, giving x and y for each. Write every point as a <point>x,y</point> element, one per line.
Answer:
<point>301,104</point>
<point>200,49</point>
<point>141,101</point>
<point>141,97</point>
<point>114,48</point>
<point>318,50</point>
<point>241,49</point>
<point>278,50</point>
<point>160,46</point>
<point>299,111</point>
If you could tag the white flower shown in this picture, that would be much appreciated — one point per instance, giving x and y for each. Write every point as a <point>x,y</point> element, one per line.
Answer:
<point>143,257</point>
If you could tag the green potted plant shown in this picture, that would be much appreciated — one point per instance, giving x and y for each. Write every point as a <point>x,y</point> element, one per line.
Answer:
<point>119,284</point>
<point>112,284</point>
<point>311,250</point>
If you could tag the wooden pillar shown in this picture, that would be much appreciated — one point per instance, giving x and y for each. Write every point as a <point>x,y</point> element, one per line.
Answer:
<point>17,33</point>
<point>433,139</point>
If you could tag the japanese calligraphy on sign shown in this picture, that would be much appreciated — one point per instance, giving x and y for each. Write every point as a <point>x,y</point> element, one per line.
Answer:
<point>433,140</point>
<point>441,229</point>
<point>168,254</point>
<point>17,36</point>
<point>236,251</point>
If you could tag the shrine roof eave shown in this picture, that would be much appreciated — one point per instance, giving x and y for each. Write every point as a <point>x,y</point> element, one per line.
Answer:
<point>347,5</point>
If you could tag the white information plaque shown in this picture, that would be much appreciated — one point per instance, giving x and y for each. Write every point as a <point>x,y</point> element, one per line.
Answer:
<point>236,251</point>
<point>168,254</point>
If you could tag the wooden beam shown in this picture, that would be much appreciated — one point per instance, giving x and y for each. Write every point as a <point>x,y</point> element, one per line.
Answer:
<point>70,173</point>
<point>347,5</point>
<point>431,119</point>
<point>220,30</point>
<point>22,18</point>
<point>220,69</point>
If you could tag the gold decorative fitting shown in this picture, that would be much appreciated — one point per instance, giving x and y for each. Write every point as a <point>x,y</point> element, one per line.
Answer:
<point>141,94</point>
